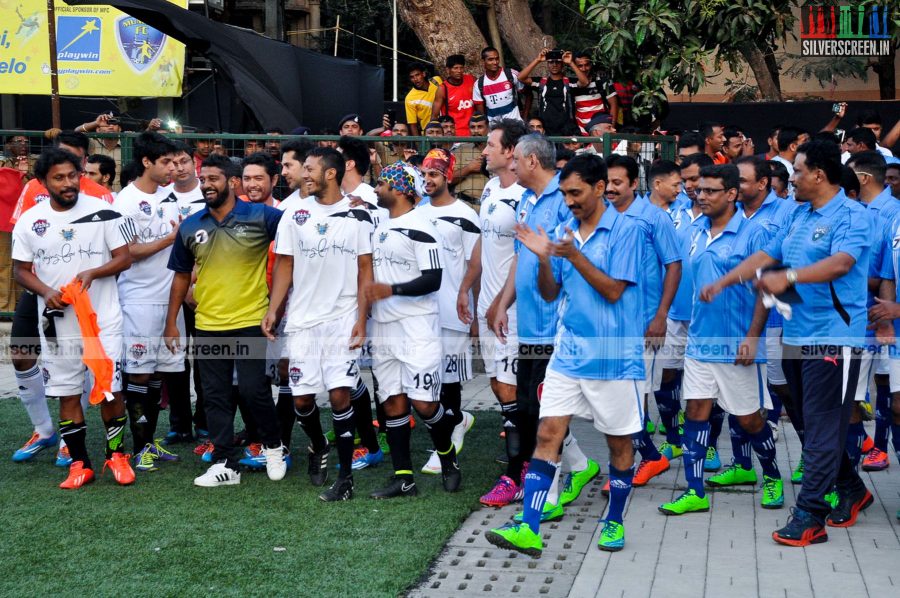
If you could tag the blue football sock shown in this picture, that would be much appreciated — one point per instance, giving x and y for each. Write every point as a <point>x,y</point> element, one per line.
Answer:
<point>856,434</point>
<point>537,484</point>
<point>619,489</point>
<point>882,416</point>
<point>668,401</point>
<point>740,443</point>
<point>696,438</point>
<point>764,445</point>
<point>644,445</point>
<point>716,420</point>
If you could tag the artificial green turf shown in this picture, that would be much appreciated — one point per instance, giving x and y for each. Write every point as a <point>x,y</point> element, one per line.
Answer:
<point>164,537</point>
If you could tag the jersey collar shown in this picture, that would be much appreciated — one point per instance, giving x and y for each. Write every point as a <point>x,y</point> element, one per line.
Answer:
<point>832,206</point>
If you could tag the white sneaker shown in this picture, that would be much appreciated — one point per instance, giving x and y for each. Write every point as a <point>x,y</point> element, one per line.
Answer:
<point>459,432</point>
<point>433,467</point>
<point>276,466</point>
<point>218,475</point>
<point>774,430</point>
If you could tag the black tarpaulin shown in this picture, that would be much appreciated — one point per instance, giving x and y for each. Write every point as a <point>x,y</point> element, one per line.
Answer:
<point>283,85</point>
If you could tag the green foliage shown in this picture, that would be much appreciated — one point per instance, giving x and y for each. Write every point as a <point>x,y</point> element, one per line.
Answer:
<point>667,41</point>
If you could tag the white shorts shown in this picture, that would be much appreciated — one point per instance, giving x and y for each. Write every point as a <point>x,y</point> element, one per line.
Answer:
<point>738,389</point>
<point>866,372</point>
<point>456,356</point>
<point>64,371</point>
<point>895,375</point>
<point>501,361</point>
<point>320,357</point>
<point>145,350</point>
<point>774,351</point>
<point>671,356</point>
<point>406,358</point>
<point>652,371</point>
<point>616,406</point>
<point>276,351</point>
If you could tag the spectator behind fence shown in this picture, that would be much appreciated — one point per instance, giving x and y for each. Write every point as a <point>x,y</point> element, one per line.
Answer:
<point>470,176</point>
<point>101,169</point>
<point>16,155</point>
<point>420,99</point>
<point>454,95</point>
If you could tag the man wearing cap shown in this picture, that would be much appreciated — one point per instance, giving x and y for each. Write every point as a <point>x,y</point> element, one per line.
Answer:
<point>469,180</point>
<point>458,227</point>
<point>350,126</point>
<point>406,256</point>
<point>599,126</point>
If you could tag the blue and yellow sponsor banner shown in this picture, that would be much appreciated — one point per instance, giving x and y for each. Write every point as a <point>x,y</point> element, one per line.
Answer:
<point>100,51</point>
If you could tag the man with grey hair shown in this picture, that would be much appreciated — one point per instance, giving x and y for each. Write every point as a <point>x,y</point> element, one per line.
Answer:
<point>542,207</point>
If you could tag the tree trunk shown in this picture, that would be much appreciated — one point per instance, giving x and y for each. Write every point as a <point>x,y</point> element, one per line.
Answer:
<point>494,30</point>
<point>524,38</point>
<point>884,68</point>
<point>444,27</point>
<point>768,88</point>
<point>772,65</point>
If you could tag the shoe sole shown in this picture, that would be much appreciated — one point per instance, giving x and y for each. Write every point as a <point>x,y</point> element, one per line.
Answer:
<point>796,482</point>
<point>804,541</point>
<point>854,512</point>
<point>772,506</point>
<point>497,503</point>
<point>469,427</point>
<point>217,484</point>
<point>83,484</point>
<point>712,484</point>
<point>407,495</point>
<point>608,548</point>
<point>501,542</point>
<point>875,467</point>
<point>676,513</point>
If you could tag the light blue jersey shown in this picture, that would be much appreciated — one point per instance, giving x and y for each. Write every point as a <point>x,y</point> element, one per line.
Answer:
<point>831,313</point>
<point>600,340</point>
<point>658,248</point>
<point>685,228</point>
<point>718,327</point>
<point>536,317</point>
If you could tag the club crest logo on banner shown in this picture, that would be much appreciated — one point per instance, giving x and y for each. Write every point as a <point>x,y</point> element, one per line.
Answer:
<point>139,43</point>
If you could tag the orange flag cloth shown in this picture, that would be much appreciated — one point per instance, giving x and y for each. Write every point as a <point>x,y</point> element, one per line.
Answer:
<point>94,356</point>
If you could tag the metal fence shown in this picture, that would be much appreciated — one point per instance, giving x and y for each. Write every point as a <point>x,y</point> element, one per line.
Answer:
<point>644,148</point>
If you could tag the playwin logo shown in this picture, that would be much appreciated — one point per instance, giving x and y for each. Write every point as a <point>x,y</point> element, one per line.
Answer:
<point>845,30</point>
<point>78,38</point>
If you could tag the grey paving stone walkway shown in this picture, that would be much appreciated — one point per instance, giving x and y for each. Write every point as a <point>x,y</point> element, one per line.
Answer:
<point>726,552</point>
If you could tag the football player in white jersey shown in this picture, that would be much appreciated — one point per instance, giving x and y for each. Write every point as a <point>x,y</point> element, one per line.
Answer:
<point>74,234</point>
<point>324,250</point>
<point>457,225</point>
<point>406,359</point>
<point>144,293</point>
<point>490,263</point>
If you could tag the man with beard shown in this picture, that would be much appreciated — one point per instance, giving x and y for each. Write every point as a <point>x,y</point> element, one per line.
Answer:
<point>324,249</point>
<point>457,225</point>
<point>406,335</point>
<point>228,241</point>
<point>144,293</point>
<point>90,241</point>
<point>23,351</point>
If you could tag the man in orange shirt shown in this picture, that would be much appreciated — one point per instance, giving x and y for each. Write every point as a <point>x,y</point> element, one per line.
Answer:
<point>713,134</point>
<point>24,344</point>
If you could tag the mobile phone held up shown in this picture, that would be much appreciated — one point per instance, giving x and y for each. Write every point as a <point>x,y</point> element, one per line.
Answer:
<point>554,55</point>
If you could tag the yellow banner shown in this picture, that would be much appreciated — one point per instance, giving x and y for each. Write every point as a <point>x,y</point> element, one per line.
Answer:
<point>101,51</point>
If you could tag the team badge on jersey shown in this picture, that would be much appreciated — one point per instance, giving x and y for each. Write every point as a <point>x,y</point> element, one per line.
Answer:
<point>41,197</point>
<point>820,232</point>
<point>185,211</point>
<point>67,234</point>
<point>145,207</point>
<point>322,228</point>
<point>485,194</point>
<point>138,350</point>
<point>140,44</point>
<point>40,227</point>
<point>301,216</point>
<point>382,237</point>
<point>45,375</point>
<point>201,236</point>
<point>295,374</point>
<point>159,211</point>
<point>491,208</point>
